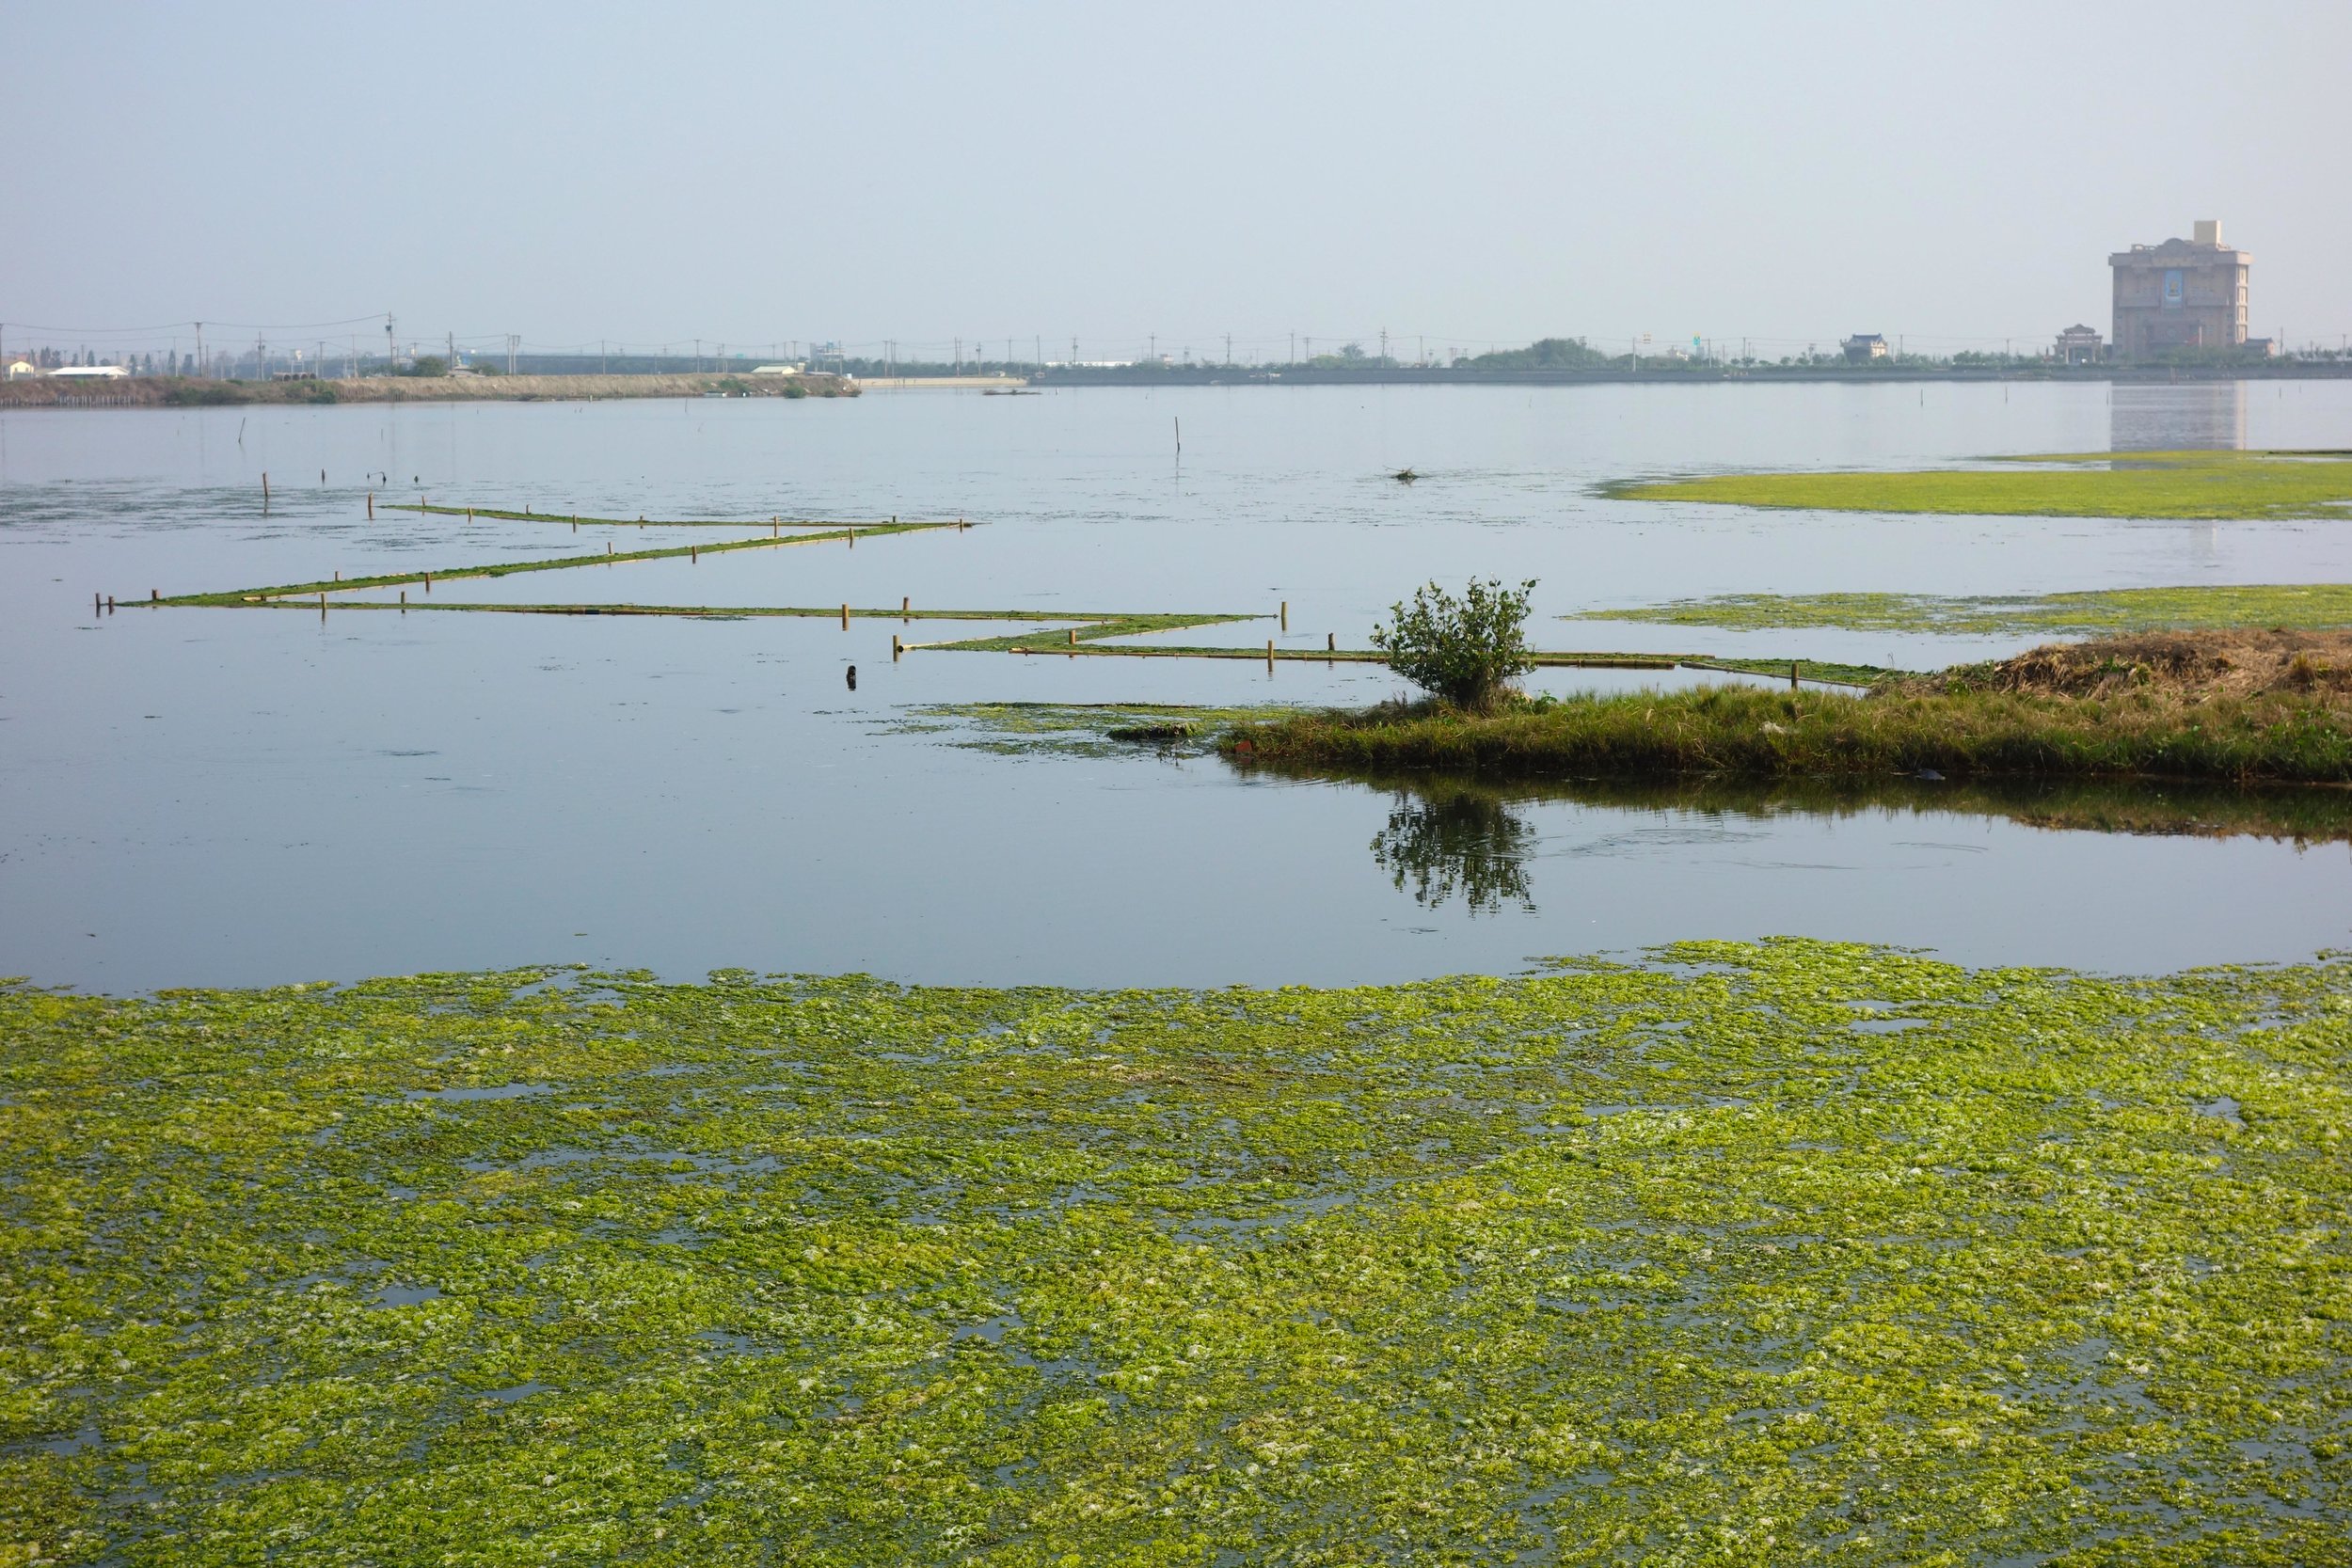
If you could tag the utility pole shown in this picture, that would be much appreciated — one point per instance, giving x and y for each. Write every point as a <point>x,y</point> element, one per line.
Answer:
<point>200,348</point>
<point>1152,353</point>
<point>958,367</point>
<point>1383,348</point>
<point>514,342</point>
<point>392,353</point>
<point>453,353</point>
<point>1229,350</point>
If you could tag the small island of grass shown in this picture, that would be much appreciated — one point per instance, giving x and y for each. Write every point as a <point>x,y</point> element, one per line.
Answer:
<point>2186,484</point>
<point>2244,706</point>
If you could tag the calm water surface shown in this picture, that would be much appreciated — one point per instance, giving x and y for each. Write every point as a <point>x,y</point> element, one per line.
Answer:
<point>213,797</point>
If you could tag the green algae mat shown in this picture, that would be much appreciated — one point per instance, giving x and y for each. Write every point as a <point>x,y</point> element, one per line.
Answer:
<point>2192,484</point>
<point>2300,607</point>
<point>1749,1254</point>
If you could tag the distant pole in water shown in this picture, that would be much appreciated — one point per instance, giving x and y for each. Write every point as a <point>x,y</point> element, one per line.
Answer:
<point>1180,437</point>
<point>1792,674</point>
<point>1286,615</point>
<point>266,489</point>
<point>371,506</point>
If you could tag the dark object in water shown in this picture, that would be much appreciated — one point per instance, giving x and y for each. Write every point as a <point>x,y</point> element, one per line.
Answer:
<point>1405,476</point>
<point>1172,730</point>
<point>853,677</point>
<point>1931,775</point>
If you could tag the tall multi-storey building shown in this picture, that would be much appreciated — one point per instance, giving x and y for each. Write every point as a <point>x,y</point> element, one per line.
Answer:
<point>2182,293</point>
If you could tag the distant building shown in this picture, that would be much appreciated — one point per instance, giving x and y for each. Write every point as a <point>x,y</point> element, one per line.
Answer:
<point>1863,347</point>
<point>2078,344</point>
<point>2182,293</point>
<point>20,369</point>
<point>775,370</point>
<point>92,372</point>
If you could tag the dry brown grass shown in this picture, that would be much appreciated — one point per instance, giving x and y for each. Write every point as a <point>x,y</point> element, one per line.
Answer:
<point>2187,666</point>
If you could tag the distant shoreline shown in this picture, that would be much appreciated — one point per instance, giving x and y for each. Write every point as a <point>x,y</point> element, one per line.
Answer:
<point>1674,375</point>
<point>166,391</point>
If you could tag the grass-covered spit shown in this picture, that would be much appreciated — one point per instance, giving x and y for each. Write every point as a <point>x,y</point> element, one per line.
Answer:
<point>1787,1253</point>
<point>2305,606</point>
<point>2098,485</point>
<point>2240,706</point>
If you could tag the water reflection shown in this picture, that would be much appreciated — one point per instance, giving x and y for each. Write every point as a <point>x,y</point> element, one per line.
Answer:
<point>1472,840</point>
<point>1456,839</point>
<point>2208,416</point>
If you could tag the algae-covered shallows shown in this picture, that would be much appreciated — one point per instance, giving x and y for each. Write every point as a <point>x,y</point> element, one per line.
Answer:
<point>1757,1254</point>
<point>2196,485</point>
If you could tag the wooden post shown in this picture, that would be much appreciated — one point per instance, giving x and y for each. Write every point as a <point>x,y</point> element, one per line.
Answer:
<point>97,604</point>
<point>896,648</point>
<point>776,528</point>
<point>339,574</point>
<point>1792,674</point>
<point>371,506</point>
<point>845,617</point>
<point>1286,615</point>
<point>853,538</point>
<point>905,604</point>
<point>1269,655</point>
<point>1330,642</point>
<point>404,598</point>
<point>153,595</point>
<point>110,604</point>
<point>428,582</point>
<point>693,555</point>
<point>1073,637</point>
<point>265,489</point>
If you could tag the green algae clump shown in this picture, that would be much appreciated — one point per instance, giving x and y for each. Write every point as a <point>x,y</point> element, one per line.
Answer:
<point>1748,1254</point>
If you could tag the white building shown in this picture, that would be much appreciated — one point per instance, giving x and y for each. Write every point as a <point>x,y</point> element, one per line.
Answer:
<point>92,372</point>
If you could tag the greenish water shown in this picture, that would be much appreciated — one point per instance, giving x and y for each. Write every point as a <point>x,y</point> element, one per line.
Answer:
<point>1746,1253</point>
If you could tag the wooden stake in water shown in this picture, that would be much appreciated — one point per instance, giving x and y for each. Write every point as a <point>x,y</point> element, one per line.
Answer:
<point>1330,642</point>
<point>1269,655</point>
<point>371,506</point>
<point>266,489</point>
<point>845,617</point>
<point>1073,637</point>
<point>906,603</point>
<point>1792,674</point>
<point>896,648</point>
<point>1286,615</point>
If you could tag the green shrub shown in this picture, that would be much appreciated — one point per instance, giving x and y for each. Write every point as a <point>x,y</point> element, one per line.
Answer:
<point>427,364</point>
<point>1463,650</point>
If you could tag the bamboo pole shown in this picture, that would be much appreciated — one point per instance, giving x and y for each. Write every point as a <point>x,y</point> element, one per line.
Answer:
<point>371,506</point>
<point>845,617</point>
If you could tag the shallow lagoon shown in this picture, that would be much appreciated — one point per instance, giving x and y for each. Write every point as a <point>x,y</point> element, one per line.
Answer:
<point>228,796</point>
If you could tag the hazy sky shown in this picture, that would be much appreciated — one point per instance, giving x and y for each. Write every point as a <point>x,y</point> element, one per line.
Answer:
<point>1472,173</point>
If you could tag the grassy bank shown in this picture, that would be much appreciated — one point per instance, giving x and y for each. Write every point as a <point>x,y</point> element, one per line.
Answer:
<point>2244,708</point>
<point>1787,1252</point>
<point>2310,607</point>
<point>2214,484</point>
